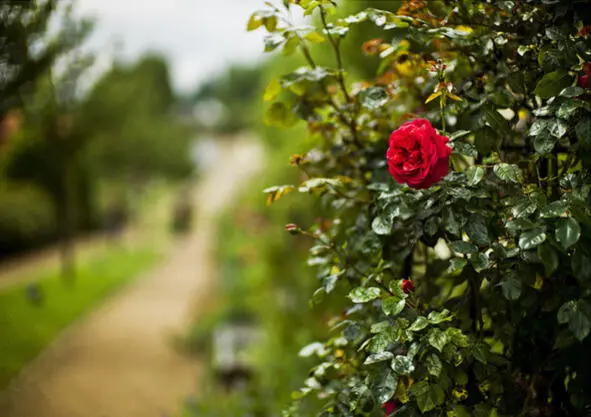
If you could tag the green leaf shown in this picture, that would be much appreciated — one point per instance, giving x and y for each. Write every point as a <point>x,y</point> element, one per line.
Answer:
<point>363,294</point>
<point>532,238</point>
<point>557,128</point>
<point>581,265</point>
<point>553,83</point>
<point>273,89</point>
<point>438,339</point>
<point>384,384</point>
<point>479,261</point>
<point>291,45</point>
<point>576,314</point>
<point>434,364</point>
<point>270,23</point>
<point>428,397</point>
<point>464,148</point>
<point>476,230</point>
<point>583,132</point>
<point>508,172</point>
<point>549,258</point>
<point>480,353</point>
<point>511,286</point>
<point>544,144</point>
<point>474,175</point>
<point>255,21</point>
<point>568,232</point>
<point>459,246</point>
<point>393,306</point>
<point>373,98</point>
<point>272,42</point>
<point>378,357</point>
<point>436,317</point>
<point>555,209</point>
<point>419,324</point>
<point>402,365</point>
<point>315,348</point>
<point>572,91</point>
<point>458,134</point>
<point>568,109</point>
<point>457,337</point>
<point>382,226</point>
<point>456,265</point>
<point>315,37</point>
<point>279,115</point>
<point>523,208</point>
<point>494,119</point>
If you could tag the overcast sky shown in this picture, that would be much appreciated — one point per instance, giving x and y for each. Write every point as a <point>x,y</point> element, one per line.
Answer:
<point>200,37</point>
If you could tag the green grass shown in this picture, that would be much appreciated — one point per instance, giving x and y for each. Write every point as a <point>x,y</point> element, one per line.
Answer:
<point>26,329</point>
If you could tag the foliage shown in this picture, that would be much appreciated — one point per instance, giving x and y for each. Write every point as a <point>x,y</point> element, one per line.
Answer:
<point>498,250</point>
<point>131,124</point>
<point>26,328</point>
<point>234,90</point>
<point>26,216</point>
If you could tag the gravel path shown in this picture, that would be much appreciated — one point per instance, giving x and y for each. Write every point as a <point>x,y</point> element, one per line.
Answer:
<point>118,361</point>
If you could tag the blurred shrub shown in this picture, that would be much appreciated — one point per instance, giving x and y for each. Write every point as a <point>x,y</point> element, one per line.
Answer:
<point>27,217</point>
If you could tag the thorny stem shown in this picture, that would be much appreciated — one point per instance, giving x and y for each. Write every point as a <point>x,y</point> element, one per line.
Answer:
<point>340,78</point>
<point>337,52</point>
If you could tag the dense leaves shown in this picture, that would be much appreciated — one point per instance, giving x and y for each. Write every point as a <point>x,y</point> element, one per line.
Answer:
<point>499,250</point>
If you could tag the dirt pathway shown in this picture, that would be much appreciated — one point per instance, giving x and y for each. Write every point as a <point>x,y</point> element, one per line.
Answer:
<point>118,362</point>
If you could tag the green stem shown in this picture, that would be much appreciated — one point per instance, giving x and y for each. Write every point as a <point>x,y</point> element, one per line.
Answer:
<point>337,52</point>
<point>442,112</point>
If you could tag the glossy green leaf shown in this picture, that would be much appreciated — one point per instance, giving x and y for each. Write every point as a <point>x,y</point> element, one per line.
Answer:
<point>402,365</point>
<point>553,83</point>
<point>508,172</point>
<point>474,175</point>
<point>568,232</point>
<point>419,324</point>
<point>373,98</point>
<point>511,286</point>
<point>364,294</point>
<point>434,364</point>
<point>438,339</point>
<point>549,257</point>
<point>393,306</point>
<point>459,246</point>
<point>532,238</point>
<point>378,357</point>
<point>428,397</point>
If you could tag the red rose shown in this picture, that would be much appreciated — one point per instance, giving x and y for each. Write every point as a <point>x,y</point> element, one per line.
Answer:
<point>407,286</point>
<point>583,81</point>
<point>389,407</point>
<point>418,155</point>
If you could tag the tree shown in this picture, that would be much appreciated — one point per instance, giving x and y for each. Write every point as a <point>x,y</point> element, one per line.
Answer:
<point>23,54</point>
<point>130,115</point>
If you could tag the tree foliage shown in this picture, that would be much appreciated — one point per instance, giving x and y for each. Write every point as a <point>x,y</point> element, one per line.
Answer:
<point>498,251</point>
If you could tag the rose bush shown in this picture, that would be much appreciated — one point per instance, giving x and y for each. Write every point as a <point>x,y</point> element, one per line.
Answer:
<point>498,247</point>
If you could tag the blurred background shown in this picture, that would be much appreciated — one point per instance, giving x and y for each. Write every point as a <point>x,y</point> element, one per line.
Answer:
<point>141,273</point>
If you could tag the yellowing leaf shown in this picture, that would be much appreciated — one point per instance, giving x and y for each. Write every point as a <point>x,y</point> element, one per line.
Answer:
<point>433,97</point>
<point>273,89</point>
<point>254,22</point>
<point>275,193</point>
<point>315,37</point>
<point>454,97</point>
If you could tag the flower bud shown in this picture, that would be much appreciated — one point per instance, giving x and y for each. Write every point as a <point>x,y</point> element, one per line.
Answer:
<point>292,228</point>
<point>407,286</point>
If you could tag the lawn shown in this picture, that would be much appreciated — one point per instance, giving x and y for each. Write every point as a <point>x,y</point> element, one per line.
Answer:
<point>26,328</point>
